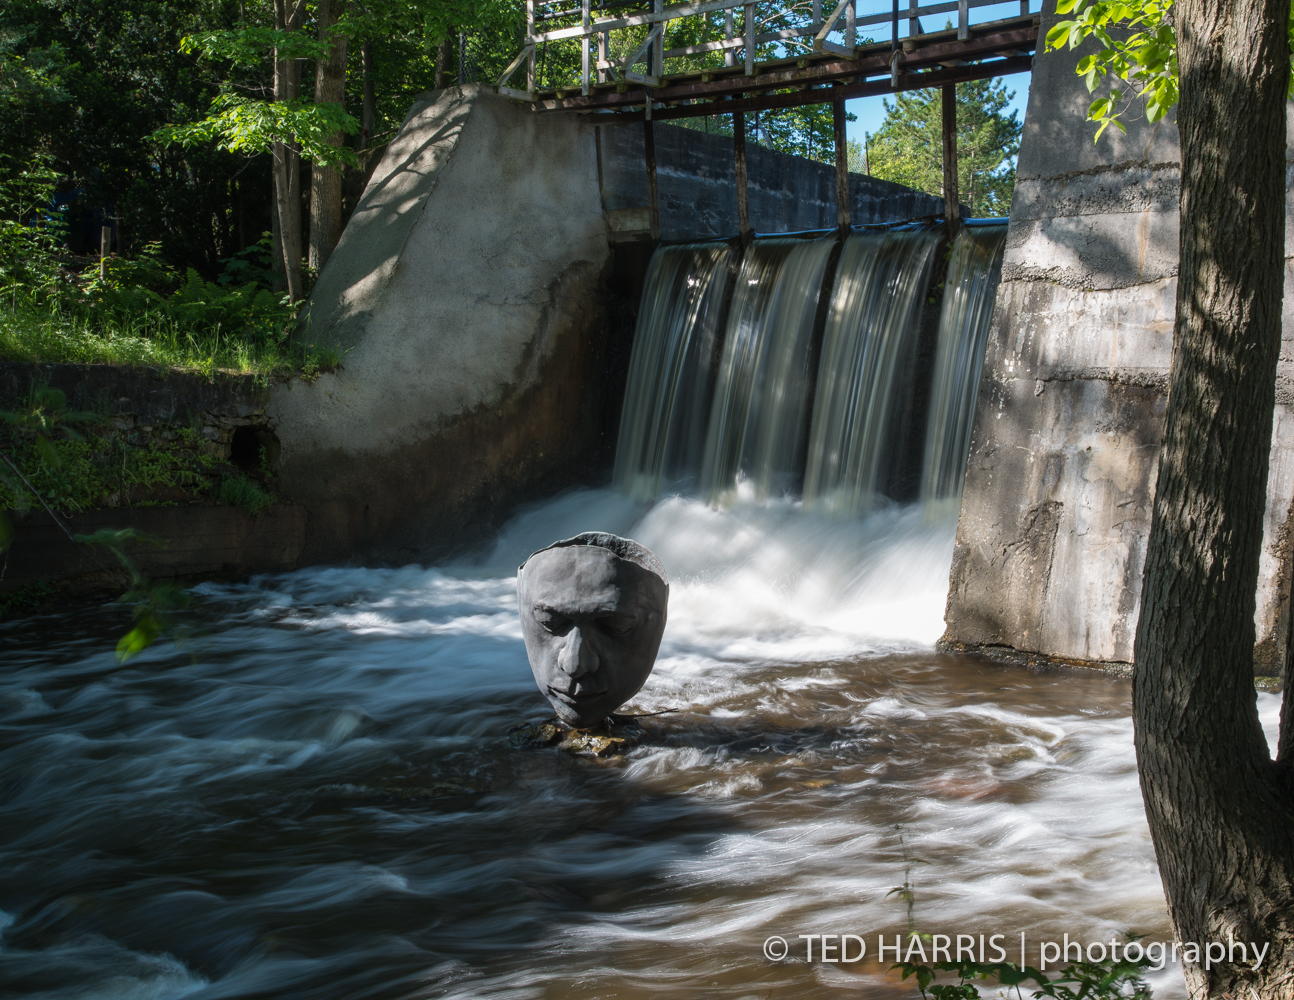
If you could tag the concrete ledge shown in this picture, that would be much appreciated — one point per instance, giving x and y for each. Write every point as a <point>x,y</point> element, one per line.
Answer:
<point>191,541</point>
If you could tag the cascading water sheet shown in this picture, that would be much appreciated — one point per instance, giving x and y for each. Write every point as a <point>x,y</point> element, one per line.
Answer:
<point>867,371</point>
<point>671,372</point>
<point>974,267</point>
<point>756,429</point>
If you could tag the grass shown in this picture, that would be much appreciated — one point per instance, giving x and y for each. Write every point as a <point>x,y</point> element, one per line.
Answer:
<point>49,332</point>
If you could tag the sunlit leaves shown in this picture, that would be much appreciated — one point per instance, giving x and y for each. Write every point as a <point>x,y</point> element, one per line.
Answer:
<point>1137,46</point>
<point>250,125</point>
<point>252,46</point>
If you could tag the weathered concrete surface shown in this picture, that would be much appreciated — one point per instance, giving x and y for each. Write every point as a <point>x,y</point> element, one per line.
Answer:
<point>697,187</point>
<point>195,541</point>
<point>467,294</point>
<point>145,398</point>
<point>157,410</point>
<point>1056,508</point>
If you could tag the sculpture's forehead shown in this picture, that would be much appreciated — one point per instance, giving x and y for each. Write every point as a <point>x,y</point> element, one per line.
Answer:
<point>576,577</point>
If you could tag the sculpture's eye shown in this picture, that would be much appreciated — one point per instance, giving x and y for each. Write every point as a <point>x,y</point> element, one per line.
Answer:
<point>552,622</point>
<point>618,625</point>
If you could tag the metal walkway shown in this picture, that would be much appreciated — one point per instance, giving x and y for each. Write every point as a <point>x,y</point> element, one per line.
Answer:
<point>649,59</point>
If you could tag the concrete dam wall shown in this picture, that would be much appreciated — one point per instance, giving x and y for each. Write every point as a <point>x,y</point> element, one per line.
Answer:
<point>697,199</point>
<point>1057,499</point>
<point>485,316</point>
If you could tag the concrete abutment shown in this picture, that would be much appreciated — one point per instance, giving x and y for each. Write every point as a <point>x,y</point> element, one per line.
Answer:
<point>1058,489</point>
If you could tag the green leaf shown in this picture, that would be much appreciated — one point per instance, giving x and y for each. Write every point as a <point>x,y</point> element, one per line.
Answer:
<point>1059,34</point>
<point>139,638</point>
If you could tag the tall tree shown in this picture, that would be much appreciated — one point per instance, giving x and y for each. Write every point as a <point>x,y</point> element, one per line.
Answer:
<point>289,15</point>
<point>1220,807</point>
<point>326,177</point>
<point>908,147</point>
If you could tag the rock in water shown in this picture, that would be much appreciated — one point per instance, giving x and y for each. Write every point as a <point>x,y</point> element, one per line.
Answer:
<point>616,735</point>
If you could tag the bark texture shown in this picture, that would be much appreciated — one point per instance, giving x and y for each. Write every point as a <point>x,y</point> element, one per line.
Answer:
<point>288,16</point>
<point>1220,808</point>
<point>326,181</point>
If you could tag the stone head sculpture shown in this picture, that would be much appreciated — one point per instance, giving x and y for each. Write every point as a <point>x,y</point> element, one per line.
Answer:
<point>592,614</point>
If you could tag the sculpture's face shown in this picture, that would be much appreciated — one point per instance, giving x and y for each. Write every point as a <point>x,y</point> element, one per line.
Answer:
<point>592,624</point>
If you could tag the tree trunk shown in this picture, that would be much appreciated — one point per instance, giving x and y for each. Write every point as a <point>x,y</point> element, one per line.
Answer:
<point>1220,810</point>
<point>288,16</point>
<point>325,180</point>
<point>442,62</point>
<point>368,113</point>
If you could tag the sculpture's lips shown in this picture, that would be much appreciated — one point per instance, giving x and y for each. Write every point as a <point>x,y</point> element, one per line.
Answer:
<point>577,696</point>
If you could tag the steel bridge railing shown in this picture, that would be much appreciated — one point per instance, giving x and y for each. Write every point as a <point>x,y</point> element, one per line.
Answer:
<point>584,45</point>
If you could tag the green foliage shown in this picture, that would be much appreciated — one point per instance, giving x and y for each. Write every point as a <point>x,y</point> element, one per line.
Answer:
<point>249,125</point>
<point>76,460</point>
<point>254,45</point>
<point>1107,980</point>
<point>239,491</point>
<point>30,231</point>
<point>1137,46</point>
<point>152,603</point>
<point>908,147</point>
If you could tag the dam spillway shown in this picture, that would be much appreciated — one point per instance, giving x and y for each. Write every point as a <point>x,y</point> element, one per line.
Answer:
<point>314,796</point>
<point>793,367</point>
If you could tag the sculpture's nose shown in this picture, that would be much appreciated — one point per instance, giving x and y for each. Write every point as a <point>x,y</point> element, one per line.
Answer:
<point>578,657</point>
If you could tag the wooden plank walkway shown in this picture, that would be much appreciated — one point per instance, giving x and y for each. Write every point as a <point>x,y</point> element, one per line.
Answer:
<point>611,59</point>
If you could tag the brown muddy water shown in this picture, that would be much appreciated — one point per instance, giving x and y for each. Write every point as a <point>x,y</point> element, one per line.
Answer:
<point>313,794</point>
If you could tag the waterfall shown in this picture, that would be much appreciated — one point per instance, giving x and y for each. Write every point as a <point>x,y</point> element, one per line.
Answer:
<point>973,270</point>
<point>761,400</point>
<point>671,373</point>
<point>759,381</point>
<point>867,373</point>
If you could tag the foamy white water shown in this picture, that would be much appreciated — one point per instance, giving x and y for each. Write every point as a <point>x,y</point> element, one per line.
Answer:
<point>313,794</point>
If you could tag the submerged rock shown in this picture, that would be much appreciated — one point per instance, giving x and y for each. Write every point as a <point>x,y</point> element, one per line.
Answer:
<point>616,735</point>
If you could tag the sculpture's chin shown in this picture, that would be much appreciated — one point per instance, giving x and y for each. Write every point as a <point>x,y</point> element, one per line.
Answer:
<point>581,716</point>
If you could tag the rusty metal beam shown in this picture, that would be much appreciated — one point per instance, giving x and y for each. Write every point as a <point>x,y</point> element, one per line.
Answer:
<point>740,176</point>
<point>824,95</point>
<point>842,161</point>
<point>1001,39</point>
<point>952,198</point>
<point>653,192</point>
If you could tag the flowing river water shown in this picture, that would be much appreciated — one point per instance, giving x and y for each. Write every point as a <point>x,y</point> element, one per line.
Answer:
<point>312,794</point>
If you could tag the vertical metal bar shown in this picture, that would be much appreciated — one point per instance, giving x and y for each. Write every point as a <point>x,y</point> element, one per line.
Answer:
<point>649,154</point>
<point>530,42</point>
<point>914,22</point>
<point>749,25</point>
<point>851,24</point>
<point>602,179</point>
<point>729,59</point>
<point>657,67</point>
<point>894,25</point>
<point>952,200</point>
<point>584,47</point>
<point>739,172</point>
<point>815,13</point>
<point>105,244</point>
<point>603,47</point>
<point>963,19</point>
<point>842,162</point>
